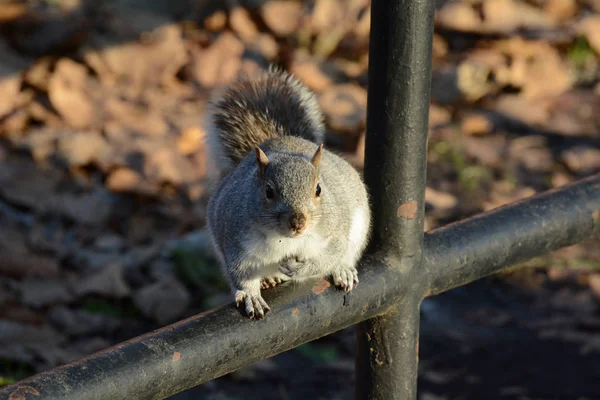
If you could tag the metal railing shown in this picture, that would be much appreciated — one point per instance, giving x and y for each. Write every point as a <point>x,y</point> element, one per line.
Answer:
<point>402,265</point>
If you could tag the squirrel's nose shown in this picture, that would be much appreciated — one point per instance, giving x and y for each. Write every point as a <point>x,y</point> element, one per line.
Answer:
<point>297,222</point>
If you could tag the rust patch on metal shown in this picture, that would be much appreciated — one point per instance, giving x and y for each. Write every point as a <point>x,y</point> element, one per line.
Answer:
<point>596,216</point>
<point>176,356</point>
<point>407,210</point>
<point>295,311</point>
<point>321,286</point>
<point>21,393</point>
<point>417,347</point>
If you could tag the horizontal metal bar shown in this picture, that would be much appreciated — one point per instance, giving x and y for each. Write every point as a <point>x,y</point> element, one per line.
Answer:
<point>468,250</point>
<point>212,344</point>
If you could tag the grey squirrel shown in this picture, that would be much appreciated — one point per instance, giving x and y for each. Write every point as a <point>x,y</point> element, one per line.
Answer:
<point>286,208</point>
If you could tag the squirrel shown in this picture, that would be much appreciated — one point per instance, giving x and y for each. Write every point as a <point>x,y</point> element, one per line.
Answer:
<point>286,208</point>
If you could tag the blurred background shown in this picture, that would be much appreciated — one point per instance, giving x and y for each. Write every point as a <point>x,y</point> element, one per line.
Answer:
<point>104,179</point>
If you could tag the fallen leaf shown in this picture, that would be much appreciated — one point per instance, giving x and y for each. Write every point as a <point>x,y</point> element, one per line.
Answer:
<point>220,63</point>
<point>344,107</point>
<point>163,301</point>
<point>476,124</point>
<point>23,184</point>
<point>93,207</point>
<point>282,17</point>
<point>535,66</point>
<point>129,181</point>
<point>139,65</point>
<point>582,160</point>
<point>167,165</point>
<point>191,140</point>
<point>42,293</point>
<point>68,94</point>
<point>81,322</point>
<point>84,148</point>
<point>242,24</point>
<point>440,200</point>
<point>589,27</point>
<point>216,21</point>
<point>107,282</point>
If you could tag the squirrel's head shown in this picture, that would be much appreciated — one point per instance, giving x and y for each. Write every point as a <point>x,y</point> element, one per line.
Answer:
<point>290,192</point>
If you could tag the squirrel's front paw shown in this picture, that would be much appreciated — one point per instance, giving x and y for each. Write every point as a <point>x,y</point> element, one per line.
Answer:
<point>345,278</point>
<point>255,305</point>
<point>290,266</point>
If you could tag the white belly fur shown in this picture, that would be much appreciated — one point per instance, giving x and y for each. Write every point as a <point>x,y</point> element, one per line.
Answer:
<point>269,252</point>
<point>357,235</point>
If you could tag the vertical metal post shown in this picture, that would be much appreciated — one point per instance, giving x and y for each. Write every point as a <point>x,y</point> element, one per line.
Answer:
<point>395,172</point>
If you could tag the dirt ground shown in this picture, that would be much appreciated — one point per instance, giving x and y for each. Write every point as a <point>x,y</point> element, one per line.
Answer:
<point>104,179</point>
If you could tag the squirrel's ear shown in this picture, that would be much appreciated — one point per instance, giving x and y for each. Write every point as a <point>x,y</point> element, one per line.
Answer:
<point>262,160</point>
<point>316,159</point>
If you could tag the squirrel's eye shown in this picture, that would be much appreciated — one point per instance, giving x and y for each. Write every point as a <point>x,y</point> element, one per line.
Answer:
<point>269,192</point>
<point>318,191</point>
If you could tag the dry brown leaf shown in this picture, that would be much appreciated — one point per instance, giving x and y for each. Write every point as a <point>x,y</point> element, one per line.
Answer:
<point>560,178</point>
<point>476,124</point>
<point>135,118</point>
<point>440,200</point>
<point>503,194</point>
<point>164,300</point>
<point>582,160</point>
<point>154,61</point>
<point>594,282</point>
<point>11,67</point>
<point>191,140</point>
<point>124,180</point>
<point>473,80</point>
<point>108,282</point>
<point>590,27</point>
<point>489,151</point>
<point>561,10</point>
<point>220,63</point>
<point>216,21</point>
<point>282,17</point>
<point>458,16</point>
<point>166,165</point>
<point>535,67</point>
<point>42,293</point>
<point>242,24</point>
<point>83,148</point>
<point>527,111</point>
<point>532,153</point>
<point>497,16</point>
<point>88,208</point>
<point>265,45</point>
<point>12,11</point>
<point>310,73</point>
<point>23,184</point>
<point>344,107</point>
<point>19,261</point>
<point>575,113</point>
<point>508,15</point>
<point>68,94</point>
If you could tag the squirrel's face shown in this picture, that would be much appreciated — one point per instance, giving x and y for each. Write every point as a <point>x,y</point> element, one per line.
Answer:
<point>291,194</point>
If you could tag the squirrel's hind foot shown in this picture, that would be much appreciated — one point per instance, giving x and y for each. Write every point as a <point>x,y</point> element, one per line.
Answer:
<point>345,278</point>
<point>271,282</point>
<point>254,305</point>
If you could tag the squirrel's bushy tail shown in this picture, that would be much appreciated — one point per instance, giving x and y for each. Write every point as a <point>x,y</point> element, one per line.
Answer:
<point>251,111</point>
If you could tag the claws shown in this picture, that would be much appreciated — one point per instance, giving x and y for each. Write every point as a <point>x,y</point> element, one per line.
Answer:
<point>268,283</point>
<point>255,306</point>
<point>345,278</point>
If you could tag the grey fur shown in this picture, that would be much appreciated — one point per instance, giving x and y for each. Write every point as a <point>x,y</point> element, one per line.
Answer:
<point>251,233</point>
